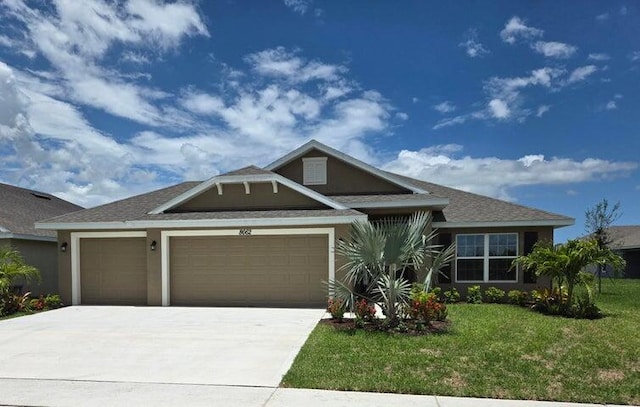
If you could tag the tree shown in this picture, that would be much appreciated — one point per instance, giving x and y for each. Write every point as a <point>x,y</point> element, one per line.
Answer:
<point>597,222</point>
<point>564,262</point>
<point>378,254</point>
<point>12,269</point>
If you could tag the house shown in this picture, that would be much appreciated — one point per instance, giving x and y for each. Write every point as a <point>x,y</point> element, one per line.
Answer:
<point>626,241</point>
<point>19,210</point>
<point>266,236</point>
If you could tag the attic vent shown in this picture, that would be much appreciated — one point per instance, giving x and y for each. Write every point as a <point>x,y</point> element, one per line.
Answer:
<point>48,198</point>
<point>314,171</point>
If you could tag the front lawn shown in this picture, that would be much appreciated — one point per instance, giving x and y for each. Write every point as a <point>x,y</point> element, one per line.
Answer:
<point>498,351</point>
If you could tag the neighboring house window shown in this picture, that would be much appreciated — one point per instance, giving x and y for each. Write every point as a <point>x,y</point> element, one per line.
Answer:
<point>486,257</point>
<point>315,171</point>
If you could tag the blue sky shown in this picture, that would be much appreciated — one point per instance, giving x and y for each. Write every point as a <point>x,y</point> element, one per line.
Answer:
<point>532,102</point>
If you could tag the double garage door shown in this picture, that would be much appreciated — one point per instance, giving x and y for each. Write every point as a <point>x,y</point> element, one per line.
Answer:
<point>271,270</point>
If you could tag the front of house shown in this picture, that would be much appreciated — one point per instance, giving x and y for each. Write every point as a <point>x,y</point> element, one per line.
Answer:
<point>266,236</point>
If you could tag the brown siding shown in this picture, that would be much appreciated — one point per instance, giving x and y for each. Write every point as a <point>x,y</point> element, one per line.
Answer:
<point>261,197</point>
<point>154,268</point>
<point>544,234</point>
<point>342,178</point>
<point>43,256</point>
<point>113,271</point>
<point>249,270</point>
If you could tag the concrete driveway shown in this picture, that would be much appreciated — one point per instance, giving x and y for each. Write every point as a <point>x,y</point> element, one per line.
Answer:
<point>205,346</point>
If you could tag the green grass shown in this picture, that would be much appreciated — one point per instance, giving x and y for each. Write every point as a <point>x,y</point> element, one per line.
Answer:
<point>15,315</point>
<point>498,351</point>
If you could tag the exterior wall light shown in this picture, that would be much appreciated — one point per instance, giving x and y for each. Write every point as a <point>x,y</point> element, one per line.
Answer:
<point>63,247</point>
<point>153,246</point>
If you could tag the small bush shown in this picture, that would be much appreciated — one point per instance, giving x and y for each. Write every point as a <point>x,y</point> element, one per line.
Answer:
<point>336,308</point>
<point>451,296</point>
<point>474,295</point>
<point>517,297</point>
<point>552,302</point>
<point>585,308</point>
<point>12,303</point>
<point>37,304</point>
<point>437,291</point>
<point>494,295</point>
<point>52,301</point>
<point>424,307</point>
<point>364,311</point>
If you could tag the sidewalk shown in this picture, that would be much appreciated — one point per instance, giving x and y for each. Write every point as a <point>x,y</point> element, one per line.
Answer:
<point>64,393</point>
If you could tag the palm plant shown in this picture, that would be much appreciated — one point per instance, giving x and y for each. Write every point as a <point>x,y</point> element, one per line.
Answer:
<point>13,268</point>
<point>565,262</point>
<point>377,256</point>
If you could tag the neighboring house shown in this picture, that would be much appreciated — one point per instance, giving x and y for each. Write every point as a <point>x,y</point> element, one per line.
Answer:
<point>19,209</point>
<point>626,240</point>
<point>266,236</point>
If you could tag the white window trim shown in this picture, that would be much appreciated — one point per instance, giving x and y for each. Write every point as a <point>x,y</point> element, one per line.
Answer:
<point>486,258</point>
<point>165,238</point>
<point>314,160</point>
<point>76,286</point>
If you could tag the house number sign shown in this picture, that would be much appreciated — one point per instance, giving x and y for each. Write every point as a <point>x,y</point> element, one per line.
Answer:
<point>244,232</point>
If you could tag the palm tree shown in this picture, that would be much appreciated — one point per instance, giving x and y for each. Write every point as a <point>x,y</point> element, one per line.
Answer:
<point>378,254</point>
<point>564,262</point>
<point>13,268</point>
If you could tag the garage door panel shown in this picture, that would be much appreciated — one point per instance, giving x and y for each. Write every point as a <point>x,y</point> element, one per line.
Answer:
<point>113,271</point>
<point>249,270</point>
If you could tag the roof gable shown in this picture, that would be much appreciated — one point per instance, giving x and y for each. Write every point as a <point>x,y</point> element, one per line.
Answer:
<point>300,195</point>
<point>313,147</point>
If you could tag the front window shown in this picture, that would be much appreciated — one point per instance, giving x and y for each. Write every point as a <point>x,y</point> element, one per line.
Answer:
<point>486,257</point>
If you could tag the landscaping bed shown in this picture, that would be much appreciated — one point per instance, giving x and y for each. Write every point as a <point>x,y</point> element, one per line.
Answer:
<point>490,350</point>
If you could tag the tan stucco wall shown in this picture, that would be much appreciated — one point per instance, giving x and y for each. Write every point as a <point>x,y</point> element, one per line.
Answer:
<point>342,178</point>
<point>43,256</point>
<point>64,268</point>
<point>261,196</point>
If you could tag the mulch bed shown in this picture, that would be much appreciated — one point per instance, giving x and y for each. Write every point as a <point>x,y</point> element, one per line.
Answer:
<point>405,328</point>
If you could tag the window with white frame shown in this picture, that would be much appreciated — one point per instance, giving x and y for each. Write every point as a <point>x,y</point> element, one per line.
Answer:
<point>486,257</point>
<point>314,171</point>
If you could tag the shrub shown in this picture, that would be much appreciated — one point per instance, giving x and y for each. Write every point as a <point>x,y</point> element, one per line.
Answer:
<point>424,307</point>
<point>336,308</point>
<point>364,311</point>
<point>585,308</point>
<point>37,304</point>
<point>494,294</point>
<point>474,295</point>
<point>436,291</point>
<point>517,297</point>
<point>552,302</point>
<point>451,296</point>
<point>12,303</point>
<point>52,301</point>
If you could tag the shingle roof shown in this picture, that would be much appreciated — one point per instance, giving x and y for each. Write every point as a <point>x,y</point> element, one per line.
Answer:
<point>355,199</point>
<point>288,213</point>
<point>469,207</point>
<point>20,208</point>
<point>125,209</point>
<point>625,237</point>
<point>250,170</point>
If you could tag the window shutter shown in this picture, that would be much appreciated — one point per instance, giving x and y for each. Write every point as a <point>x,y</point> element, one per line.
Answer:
<point>444,277</point>
<point>530,239</point>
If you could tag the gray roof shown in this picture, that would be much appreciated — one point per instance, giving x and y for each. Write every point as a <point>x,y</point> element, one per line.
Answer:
<point>20,208</point>
<point>287,213</point>
<point>625,237</point>
<point>250,170</point>
<point>469,207</point>
<point>356,199</point>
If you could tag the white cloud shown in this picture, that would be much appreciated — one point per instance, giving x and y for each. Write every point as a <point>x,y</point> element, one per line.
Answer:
<point>602,17</point>
<point>473,47</point>
<point>402,116</point>
<point>445,107</point>
<point>415,99</point>
<point>554,49</point>
<point>280,63</point>
<point>634,56</point>
<point>299,6</point>
<point>516,29</point>
<point>542,109</point>
<point>611,105</point>
<point>499,176</point>
<point>581,73</point>
<point>599,57</point>
<point>499,109</point>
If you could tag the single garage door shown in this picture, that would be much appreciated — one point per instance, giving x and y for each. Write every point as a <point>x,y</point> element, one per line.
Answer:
<point>282,271</point>
<point>113,271</point>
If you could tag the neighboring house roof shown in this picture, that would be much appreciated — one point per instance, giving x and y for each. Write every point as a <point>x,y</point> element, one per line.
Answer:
<point>469,209</point>
<point>316,145</point>
<point>625,237</point>
<point>20,208</point>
